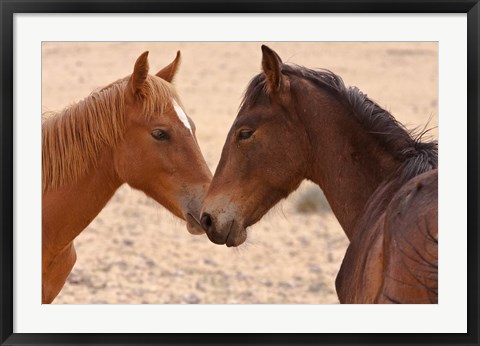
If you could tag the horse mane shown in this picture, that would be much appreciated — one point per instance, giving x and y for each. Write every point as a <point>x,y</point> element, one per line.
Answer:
<point>73,138</point>
<point>407,146</point>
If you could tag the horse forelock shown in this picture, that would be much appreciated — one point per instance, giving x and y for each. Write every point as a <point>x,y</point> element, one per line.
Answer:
<point>257,87</point>
<point>73,138</point>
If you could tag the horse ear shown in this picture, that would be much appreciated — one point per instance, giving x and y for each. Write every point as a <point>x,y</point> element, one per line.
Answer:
<point>140,73</point>
<point>168,72</point>
<point>271,63</point>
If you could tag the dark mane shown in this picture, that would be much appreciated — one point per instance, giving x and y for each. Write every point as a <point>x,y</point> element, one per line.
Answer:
<point>407,146</point>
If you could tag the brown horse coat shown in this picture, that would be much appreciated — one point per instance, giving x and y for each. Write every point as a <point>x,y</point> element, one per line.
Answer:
<point>380,180</point>
<point>395,259</point>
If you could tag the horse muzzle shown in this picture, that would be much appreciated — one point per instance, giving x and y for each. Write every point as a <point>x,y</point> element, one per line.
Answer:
<point>231,235</point>
<point>193,225</point>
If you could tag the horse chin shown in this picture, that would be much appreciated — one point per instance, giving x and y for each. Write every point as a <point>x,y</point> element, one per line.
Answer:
<point>193,226</point>
<point>236,237</point>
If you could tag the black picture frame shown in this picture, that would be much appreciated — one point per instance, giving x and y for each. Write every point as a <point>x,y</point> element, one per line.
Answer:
<point>9,7</point>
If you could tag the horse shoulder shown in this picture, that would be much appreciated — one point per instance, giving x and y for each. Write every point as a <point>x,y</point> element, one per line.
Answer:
<point>55,274</point>
<point>411,243</point>
<point>360,276</point>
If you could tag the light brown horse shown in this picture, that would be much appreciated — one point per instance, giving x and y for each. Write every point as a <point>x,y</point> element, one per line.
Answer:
<point>381,181</point>
<point>133,131</point>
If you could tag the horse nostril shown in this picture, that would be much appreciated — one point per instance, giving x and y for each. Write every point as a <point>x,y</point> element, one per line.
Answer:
<point>206,221</point>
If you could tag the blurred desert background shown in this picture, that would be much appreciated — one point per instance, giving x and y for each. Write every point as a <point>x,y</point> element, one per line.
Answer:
<point>135,252</point>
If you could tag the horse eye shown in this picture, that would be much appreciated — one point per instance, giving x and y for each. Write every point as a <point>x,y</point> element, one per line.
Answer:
<point>245,134</point>
<point>160,135</point>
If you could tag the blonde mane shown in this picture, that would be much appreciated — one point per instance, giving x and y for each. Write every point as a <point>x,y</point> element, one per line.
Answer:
<point>73,138</point>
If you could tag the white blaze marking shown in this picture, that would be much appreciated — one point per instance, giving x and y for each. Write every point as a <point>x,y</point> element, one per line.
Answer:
<point>181,115</point>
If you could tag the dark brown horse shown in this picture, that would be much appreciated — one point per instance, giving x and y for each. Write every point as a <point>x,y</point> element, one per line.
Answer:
<point>380,180</point>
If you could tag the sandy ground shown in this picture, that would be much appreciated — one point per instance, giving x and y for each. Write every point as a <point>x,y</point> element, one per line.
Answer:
<point>136,252</point>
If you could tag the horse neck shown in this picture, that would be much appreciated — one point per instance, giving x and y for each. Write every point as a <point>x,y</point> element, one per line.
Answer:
<point>69,209</point>
<point>346,161</point>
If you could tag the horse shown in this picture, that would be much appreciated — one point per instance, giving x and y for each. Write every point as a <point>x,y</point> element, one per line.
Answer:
<point>380,180</point>
<point>133,131</point>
